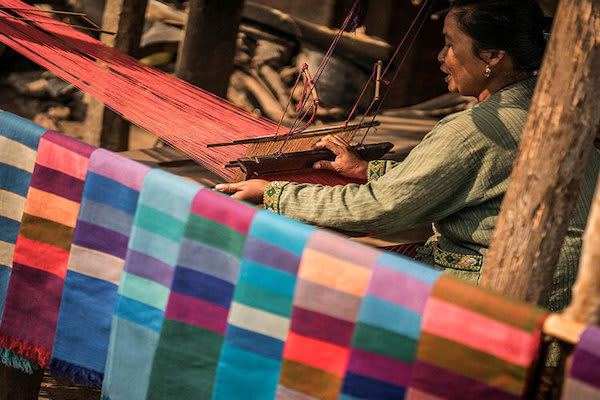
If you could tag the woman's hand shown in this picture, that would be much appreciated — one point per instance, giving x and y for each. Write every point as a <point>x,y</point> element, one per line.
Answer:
<point>347,162</point>
<point>251,190</point>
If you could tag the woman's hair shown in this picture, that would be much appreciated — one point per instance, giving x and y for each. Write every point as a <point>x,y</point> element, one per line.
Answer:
<point>515,26</point>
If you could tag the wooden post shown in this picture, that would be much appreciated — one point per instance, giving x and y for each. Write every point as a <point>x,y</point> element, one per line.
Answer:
<point>205,58</point>
<point>17,385</point>
<point>104,127</point>
<point>585,306</point>
<point>557,140</point>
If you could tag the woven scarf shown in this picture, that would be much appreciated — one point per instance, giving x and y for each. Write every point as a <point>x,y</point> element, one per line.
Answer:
<point>42,248</point>
<point>259,316</point>
<point>385,339</point>
<point>474,345</point>
<point>583,381</point>
<point>110,197</point>
<point>158,226</point>
<point>195,321</point>
<point>19,140</point>
<point>332,281</point>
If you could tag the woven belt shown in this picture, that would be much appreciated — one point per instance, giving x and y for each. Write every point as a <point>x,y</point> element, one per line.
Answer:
<point>448,259</point>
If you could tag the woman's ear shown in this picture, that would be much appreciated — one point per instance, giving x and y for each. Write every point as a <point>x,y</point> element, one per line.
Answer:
<point>493,57</point>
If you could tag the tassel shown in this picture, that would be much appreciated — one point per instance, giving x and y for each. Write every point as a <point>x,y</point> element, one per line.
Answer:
<point>28,351</point>
<point>13,360</point>
<point>76,373</point>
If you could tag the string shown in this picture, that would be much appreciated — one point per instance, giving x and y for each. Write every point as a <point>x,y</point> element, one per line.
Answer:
<point>397,72</point>
<point>181,114</point>
<point>294,128</point>
<point>290,99</point>
<point>389,64</point>
<point>362,93</point>
<point>178,112</point>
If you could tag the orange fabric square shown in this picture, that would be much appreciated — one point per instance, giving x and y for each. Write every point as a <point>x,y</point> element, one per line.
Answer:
<point>316,353</point>
<point>51,207</point>
<point>42,256</point>
<point>332,272</point>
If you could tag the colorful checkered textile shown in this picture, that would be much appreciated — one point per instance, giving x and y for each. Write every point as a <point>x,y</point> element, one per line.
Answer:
<point>110,198</point>
<point>207,271</point>
<point>474,345</point>
<point>259,316</point>
<point>385,339</point>
<point>332,281</point>
<point>583,381</point>
<point>19,140</point>
<point>42,248</point>
<point>158,226</point>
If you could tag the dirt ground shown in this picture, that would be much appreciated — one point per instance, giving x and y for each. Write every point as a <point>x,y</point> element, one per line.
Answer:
<point>54,388</point>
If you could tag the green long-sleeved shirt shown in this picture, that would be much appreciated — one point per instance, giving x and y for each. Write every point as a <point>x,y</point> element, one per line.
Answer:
<point>455,178</point>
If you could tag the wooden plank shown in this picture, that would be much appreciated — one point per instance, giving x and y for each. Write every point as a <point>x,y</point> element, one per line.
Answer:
<point>312,133</point>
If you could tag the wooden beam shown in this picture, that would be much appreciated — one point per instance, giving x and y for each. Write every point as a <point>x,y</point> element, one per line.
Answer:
<point>205,58</point>
<point>557,140</point>
<point>563,328</point>
<point>282,136</point>
<point>104,127</point>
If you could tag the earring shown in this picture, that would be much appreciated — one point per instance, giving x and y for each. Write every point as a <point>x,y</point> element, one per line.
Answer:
<point>488,71</point>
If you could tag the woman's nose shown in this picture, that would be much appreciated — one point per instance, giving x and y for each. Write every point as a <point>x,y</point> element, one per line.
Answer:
<point>442,55</point>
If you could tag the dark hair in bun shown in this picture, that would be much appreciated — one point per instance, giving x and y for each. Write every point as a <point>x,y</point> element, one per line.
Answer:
<point>515,26</point>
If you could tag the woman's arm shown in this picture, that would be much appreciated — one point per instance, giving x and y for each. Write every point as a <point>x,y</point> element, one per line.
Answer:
<point>438,178</point>
<point>347,163</point>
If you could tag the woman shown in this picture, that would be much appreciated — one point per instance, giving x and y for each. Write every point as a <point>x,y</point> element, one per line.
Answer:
<point>457,176</point>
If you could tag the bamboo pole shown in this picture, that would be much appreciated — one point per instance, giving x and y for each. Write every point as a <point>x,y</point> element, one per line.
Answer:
<point>557,140</point>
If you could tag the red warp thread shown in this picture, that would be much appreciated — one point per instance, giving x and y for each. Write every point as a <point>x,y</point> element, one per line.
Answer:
<point>181,114</point>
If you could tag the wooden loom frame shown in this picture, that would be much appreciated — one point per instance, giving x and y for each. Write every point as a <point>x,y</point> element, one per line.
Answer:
<point>267,154</point>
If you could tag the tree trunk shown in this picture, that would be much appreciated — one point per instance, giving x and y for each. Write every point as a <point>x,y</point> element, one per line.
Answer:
<point>206,56</point>
<point>104,127</point>
<point>585,307</point>
<point>557,140</point>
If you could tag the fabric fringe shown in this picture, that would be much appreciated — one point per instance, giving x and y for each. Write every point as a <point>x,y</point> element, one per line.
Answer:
<point>13,360</point>
<point>33,353</point>
<point>76,373</point>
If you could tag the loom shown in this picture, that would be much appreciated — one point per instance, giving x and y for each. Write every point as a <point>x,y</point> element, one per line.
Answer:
<point>210,130</point>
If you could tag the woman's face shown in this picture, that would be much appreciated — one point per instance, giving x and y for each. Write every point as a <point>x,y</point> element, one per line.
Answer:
<point>465,70</point>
